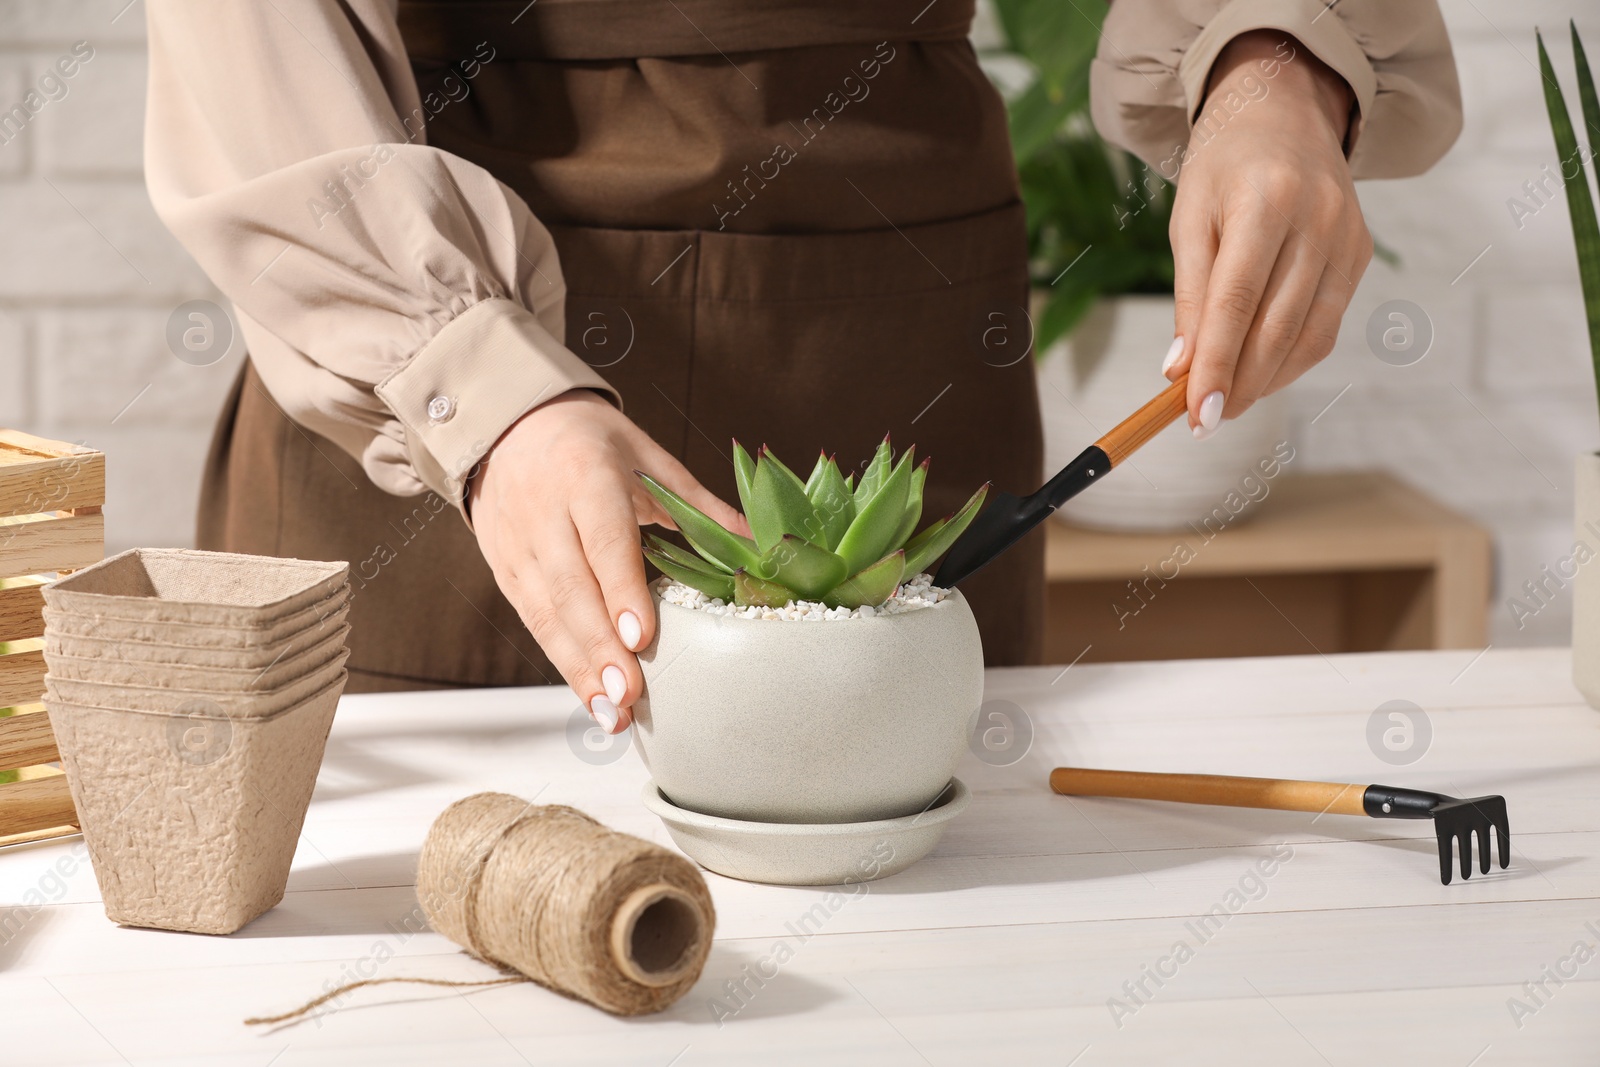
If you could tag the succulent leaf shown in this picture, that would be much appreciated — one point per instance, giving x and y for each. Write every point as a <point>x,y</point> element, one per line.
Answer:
<point>749,589</point>
<point>871,586</point>
<point>816,472</point>
<point>744,472</point>
<point>871,533</point>
<point>727,551</point>
<point>707,581</point>
<point>778,505</point>
<point>834,504</point>
<point>913,512</point>
<point>875,475</point>
<point>931,543</point>
<point>913,547</point>
<point>783,467</point>
<point>679,555</point>
<point>845,540</point>
<point>801,566</point>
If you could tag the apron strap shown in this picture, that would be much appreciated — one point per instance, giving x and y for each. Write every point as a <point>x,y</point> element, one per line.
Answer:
<point>450,30</point>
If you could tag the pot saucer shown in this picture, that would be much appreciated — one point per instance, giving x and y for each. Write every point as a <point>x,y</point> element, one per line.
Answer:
<point>837,853</point>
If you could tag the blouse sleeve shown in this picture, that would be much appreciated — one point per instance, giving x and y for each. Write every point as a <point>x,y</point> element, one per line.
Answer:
<point>395,299</point>
<point>1148,79</point>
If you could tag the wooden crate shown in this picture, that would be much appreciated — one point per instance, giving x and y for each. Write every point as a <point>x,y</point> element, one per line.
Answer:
<point>50,523</point>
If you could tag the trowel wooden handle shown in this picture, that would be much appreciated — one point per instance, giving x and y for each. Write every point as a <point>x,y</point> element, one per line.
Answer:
<point>1280,793</point>
<point>1123,439</point>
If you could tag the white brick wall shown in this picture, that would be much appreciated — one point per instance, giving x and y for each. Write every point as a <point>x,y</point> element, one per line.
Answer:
<point>46,23</point>
<point>1489,421</point>
<point>90,275</point>
<point>16,371</point>
<point>13,84</point>
<point>98,128</point>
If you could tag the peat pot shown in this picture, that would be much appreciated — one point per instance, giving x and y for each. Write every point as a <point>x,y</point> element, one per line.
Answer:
<point>190,755</point>
<point>851,720</point>
<point>192,816</point>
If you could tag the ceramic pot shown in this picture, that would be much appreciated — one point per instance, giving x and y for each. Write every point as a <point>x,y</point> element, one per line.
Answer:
<point>1586,584</point>
<point>835,853</point>
<point>808,722</point>
<point>1101,374</point>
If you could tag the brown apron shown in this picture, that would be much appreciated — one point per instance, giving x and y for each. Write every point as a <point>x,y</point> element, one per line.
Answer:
<point>796,225</point>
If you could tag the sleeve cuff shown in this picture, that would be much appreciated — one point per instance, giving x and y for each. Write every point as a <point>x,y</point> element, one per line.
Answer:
<point>487,368</point>
<point>1311,22</point>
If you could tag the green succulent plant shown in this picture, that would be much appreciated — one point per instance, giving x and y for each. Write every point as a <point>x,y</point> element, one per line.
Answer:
<point>830,538</point>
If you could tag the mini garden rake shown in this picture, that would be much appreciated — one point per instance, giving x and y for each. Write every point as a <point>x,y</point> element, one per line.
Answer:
<point>1454,819</point>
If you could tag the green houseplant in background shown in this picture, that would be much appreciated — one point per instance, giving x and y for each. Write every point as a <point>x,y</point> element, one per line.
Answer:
<point>1102,271</point>
<point>1573,156</point>
<point>1090,205</point>
<point>1097,216</point>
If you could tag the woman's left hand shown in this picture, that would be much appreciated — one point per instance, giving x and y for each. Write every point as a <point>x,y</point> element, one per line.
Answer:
<point>1267,235</point>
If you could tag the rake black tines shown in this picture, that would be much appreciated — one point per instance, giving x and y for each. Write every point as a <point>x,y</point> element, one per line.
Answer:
<point>1455,821</point>
<point>1459,821</point>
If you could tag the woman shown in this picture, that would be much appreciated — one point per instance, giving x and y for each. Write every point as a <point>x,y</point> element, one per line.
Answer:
<point>460,237</point>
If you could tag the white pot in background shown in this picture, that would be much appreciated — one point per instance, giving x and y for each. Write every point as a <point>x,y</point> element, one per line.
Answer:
<point>1101,374</point>
<point>1586,584</point>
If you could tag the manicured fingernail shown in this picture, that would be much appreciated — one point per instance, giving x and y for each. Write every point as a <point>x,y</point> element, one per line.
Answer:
<point>1210,415</point>
<point>629,629</point>
<point>616,683</point>
<point>605,713</point>
<point>1172,354</point>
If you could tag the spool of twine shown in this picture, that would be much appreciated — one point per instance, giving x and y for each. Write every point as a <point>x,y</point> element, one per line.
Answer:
<point>581,909</point>
<point>562,900</point>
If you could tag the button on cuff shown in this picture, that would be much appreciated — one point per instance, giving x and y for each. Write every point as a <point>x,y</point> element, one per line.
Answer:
<point>487,368</point>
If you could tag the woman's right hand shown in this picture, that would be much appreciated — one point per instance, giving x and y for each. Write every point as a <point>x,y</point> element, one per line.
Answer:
<point>557,510</point>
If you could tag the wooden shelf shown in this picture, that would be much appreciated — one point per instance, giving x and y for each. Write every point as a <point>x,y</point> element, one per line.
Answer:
<point>1339,562</point>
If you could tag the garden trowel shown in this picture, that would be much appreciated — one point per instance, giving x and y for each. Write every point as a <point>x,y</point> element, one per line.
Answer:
<point>1007,518</point>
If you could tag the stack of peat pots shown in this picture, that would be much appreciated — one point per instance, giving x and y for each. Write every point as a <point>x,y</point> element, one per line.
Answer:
<point>191,694</point>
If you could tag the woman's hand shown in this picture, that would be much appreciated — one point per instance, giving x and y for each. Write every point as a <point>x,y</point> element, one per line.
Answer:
<point>557,511</point>
<point>1267,234</point>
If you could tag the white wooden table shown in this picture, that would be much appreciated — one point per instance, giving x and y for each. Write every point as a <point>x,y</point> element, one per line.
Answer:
<point>1007,945</point>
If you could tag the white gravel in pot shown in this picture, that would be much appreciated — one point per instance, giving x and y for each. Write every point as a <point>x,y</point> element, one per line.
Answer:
<point>918,592</point>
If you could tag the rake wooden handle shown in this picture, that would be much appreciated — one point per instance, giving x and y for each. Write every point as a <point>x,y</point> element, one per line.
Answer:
<point>1123,439</point>
<point>1280,793</point>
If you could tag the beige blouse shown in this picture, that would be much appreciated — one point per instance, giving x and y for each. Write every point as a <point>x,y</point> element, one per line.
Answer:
<point>414,324</point>
<point>1149,75</point>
